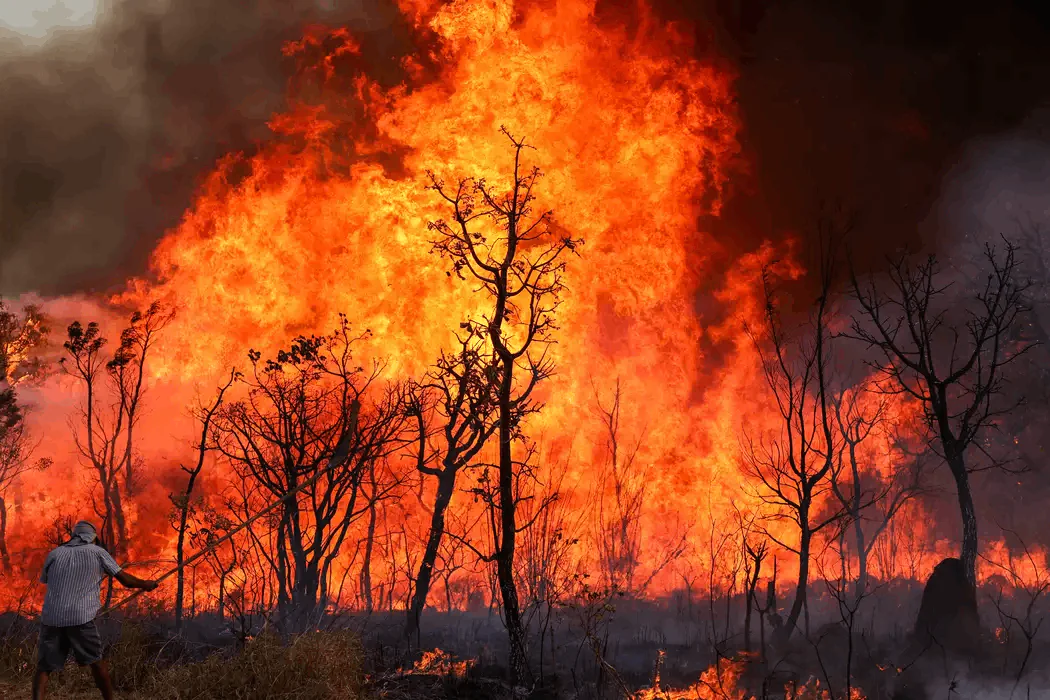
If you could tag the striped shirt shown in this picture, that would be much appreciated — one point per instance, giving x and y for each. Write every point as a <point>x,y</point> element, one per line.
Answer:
<point>73,573</point>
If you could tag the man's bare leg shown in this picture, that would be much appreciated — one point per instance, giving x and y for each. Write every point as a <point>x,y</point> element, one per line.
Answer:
<point>40,685</point>
<point>102,681</point>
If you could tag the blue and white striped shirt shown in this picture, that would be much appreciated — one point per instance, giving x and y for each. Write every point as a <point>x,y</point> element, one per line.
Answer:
<point>73,573</point>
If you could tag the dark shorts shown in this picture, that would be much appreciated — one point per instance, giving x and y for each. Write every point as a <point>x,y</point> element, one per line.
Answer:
<point>57,642</point>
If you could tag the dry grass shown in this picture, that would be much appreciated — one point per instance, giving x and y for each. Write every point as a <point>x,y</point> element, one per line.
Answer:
<point>315,666</point>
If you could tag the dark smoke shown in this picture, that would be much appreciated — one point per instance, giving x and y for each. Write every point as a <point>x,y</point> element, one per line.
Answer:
<point>868,105</point>
<point>105,131</point>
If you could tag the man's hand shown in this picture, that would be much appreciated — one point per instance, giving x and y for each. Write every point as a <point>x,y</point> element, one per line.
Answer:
<point>129,581</point>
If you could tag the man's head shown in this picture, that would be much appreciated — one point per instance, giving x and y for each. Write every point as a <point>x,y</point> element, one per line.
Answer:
<point>85,532</point>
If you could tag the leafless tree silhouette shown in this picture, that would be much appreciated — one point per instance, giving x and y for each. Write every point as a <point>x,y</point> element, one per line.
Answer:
<point>949,353</point>
<point>518,256</point>
<point>310,413</point>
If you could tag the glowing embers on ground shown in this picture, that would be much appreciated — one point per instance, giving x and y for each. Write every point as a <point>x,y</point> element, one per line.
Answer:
<point>724,681</point>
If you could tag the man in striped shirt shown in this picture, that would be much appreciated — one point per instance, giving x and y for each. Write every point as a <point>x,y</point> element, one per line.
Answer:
<point>73,573</point>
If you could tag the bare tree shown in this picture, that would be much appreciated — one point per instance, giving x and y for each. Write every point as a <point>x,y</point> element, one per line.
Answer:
<point>222,555</point>
<point>518,257</point>
<point>792,468</point>
<point>309,417</point>
<point>619,521</point>
<point>376,489</point>
<point>1020,612</point>
<point>184,502</point>
<point>949,355</point>
<point>755,554</point>
<point>546,567</point>
<point>866,497</point>
<point>111,408</point>
<point>460,392</point>
<point>841,638</point>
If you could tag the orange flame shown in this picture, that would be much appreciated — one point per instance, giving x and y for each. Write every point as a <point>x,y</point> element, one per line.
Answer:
<point>440,662</point>
<point>637,138</point>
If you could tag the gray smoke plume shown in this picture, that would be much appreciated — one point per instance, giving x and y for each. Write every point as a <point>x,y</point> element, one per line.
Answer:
<point>105,130</point>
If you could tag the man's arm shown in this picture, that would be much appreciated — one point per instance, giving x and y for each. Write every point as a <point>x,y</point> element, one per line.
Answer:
<point>129,581</point>
<point>110,566</point>
<point>47,564</point>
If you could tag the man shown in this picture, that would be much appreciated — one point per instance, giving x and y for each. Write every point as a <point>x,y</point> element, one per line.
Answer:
<point>73,573</point>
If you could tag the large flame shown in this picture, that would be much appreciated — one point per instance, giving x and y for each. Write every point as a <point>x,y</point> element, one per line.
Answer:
<point>636,138</point>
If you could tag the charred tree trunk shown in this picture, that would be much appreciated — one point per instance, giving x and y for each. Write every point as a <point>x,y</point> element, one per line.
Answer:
<point>969,518</point>
<point>222,597</point>
<point>446,485</point>
<point>508,534</point>
<point>956,460</point>
<point>862,559</point>
<point>5,556</point>
<point>752,583</point>
<point>755,555</point>
<point>180,583</point>
<point>802,589</point>
<point>366,565</point>
<point>112,513</point>
<point>120,529</point>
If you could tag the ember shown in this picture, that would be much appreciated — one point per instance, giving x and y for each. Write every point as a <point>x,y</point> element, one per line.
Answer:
<point>441,662</point>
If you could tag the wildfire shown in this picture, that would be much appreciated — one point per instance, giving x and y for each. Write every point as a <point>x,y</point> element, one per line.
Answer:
<point>719,682</point>
<point>636,137</point>
<point>438,662</point>
<point>722,681</point>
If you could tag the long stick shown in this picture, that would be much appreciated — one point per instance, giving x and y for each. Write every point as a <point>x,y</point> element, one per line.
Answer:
<point>342,449</point>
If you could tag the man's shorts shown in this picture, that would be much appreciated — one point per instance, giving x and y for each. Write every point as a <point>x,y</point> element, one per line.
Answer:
<point>57,642</point>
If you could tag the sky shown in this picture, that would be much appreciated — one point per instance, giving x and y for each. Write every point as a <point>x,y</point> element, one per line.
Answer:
<point>35,20</point>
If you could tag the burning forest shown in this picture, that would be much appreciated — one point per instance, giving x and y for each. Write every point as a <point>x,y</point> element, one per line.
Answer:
<point>496,349</point>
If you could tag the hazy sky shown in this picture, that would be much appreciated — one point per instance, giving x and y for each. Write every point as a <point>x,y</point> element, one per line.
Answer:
<point>36,19</point>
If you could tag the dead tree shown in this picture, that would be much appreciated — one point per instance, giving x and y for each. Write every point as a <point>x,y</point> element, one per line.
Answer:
<point>866,497</point>
<point>1020,612</point>
<point>518,257</point>
<point>184,502</point>
<point>619,522</point>
<point>111,408</point>
<point>460,391</point>
<point>311,415</point>
<point>376,488</point>
<point>208,535</point>
<point>948,354</point>
<point>754,554</point>
<point>792,467</point>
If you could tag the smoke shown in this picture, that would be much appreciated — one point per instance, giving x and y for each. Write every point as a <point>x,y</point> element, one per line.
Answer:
<point>999,186</point>
<point>1031,685</point>
<point>104,130</point>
